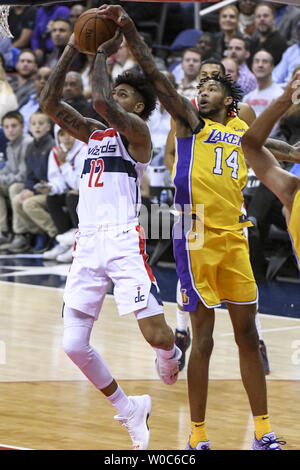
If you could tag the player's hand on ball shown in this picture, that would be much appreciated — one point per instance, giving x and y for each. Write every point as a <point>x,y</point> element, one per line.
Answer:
<point>117,14</point>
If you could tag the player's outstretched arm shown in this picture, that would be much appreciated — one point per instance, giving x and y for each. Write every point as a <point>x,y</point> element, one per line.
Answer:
<point>60,112</point>
<point>176,105</point>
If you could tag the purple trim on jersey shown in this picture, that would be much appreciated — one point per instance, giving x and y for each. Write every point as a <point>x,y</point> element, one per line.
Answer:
<point>181,255</point>
<point>182,178</point>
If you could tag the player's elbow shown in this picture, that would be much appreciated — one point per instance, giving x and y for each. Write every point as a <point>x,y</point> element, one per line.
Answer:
<point>248,141</point>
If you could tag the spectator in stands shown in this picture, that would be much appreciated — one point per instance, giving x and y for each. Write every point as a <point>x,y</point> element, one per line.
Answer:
<point>228,22</point>
<point>23,82</point>
<point>61,30</point>
<point>266,36</point>
<point>286,21</point>
<point>191,61</point>
<point>8,99</point>
<point>266,91</point>
<point>41,41</point>
<point>30,204</point>
<point>12,175</point>
<point>75,12</point>
<point>21,21</point>
<point>121,61</point>
<point>247,16</point>
<point>238,49</point>
<point>73,94</point>
<point>206,46</point>
<point>290,59</point>
<point>31,104</point>
<point>6,50</point>
<point>64,169</point>
<point>231,68</point>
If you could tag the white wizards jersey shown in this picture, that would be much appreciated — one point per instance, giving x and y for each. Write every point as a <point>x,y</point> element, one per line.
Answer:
<point>109,191</point>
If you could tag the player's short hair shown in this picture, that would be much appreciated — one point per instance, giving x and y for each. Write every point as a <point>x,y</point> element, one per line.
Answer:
<point>143,86</point>
<point>231,89</point>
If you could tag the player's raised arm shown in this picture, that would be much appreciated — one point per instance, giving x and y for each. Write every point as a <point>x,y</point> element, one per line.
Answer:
<point>60,112</point>
<point>176,105</point>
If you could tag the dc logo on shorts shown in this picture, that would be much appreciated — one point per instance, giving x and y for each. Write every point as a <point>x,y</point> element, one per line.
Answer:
<point>139,297</point>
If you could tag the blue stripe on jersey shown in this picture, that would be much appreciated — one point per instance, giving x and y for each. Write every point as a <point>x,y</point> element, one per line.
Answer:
<point>111,165</point>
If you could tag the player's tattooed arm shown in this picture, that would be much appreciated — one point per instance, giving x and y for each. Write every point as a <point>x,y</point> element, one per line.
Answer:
<point>283,151</point>
<point>178,107</point>
<point>60,112</point>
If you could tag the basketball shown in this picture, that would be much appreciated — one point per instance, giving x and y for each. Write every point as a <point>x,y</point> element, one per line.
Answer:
<point>90,30</point>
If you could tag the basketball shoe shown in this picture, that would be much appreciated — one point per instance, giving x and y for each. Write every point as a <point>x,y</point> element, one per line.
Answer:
<point>168,369</point>
<point>183,341</point>
<point>137,422</point>
<point>200,446</point>
<point>267,442</point>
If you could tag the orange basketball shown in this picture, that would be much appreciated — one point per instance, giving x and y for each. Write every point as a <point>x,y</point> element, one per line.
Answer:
<point>90,30</point>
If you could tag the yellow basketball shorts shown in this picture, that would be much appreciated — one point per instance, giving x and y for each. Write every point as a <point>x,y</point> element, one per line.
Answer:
<point>215,269</point>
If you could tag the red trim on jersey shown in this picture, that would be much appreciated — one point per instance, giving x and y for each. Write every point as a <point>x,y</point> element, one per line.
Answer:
<point>142,244</point>
<point>100,134</point>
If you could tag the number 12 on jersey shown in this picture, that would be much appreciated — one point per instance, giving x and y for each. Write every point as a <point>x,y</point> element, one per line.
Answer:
<point>231,161</point>
<point>96,164</point>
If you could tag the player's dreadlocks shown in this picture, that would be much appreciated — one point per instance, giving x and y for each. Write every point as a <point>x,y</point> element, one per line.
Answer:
<point>231,88</point>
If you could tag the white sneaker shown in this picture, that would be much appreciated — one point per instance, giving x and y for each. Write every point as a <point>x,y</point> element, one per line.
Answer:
<point>54,252</point>
<point>67,238</point>
<point>66,257</point>
<point>168,369</point>
<point>137,422</point>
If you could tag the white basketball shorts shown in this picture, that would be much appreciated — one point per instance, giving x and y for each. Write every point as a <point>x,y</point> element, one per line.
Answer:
<point>114,253</point>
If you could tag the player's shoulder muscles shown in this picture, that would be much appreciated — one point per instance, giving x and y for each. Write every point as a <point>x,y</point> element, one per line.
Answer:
<point>246,113</point>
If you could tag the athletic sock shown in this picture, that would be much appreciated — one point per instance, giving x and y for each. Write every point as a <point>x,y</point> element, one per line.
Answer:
<point>182,320</point>
<point>121,402</point>
<point>262,426</point>
<point>198,433</point>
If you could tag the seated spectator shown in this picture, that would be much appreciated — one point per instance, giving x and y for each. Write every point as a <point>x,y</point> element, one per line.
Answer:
<point>64,170</point>
<point>41,41</point>
<point>266,91</point>
<point>186,39</point>
<point>228,22</point>
<point>75,11</point>
<point>6,50</point>
<point>73,94</point>
<point>8,99</point>
<point>231,68</point>
<point>191,61</point>
<point>26,67</point>
<point>31,104</point>
<point>206,46</point>
<point>266,35</point>
<point>238,49</point>
<point>121,61</point>
<point>12,175</point>
<point>286,21</point>
<point>21,21</point>
<point>60,31</point>
<point>30,204</point>
<point>290,59</point>
<point>247,17</point>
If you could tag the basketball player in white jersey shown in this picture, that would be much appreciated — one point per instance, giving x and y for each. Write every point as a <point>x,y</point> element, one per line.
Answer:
<point>109,242</point>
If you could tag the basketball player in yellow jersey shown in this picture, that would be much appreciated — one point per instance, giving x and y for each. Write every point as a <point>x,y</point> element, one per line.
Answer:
<point>210,173</point>
<point>285,185</point>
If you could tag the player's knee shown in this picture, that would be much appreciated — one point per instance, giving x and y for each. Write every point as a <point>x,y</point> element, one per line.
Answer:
<point>76,351</point>
<point>247,338</point>
<point>203,345</point>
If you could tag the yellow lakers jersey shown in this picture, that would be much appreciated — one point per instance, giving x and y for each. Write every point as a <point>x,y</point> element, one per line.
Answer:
<point>294,226</point>
<point>210,173</point>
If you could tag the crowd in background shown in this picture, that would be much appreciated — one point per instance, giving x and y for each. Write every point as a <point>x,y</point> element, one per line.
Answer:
<point>40,165</point>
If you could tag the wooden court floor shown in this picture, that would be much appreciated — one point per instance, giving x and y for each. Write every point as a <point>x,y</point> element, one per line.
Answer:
<point>46,403</point>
